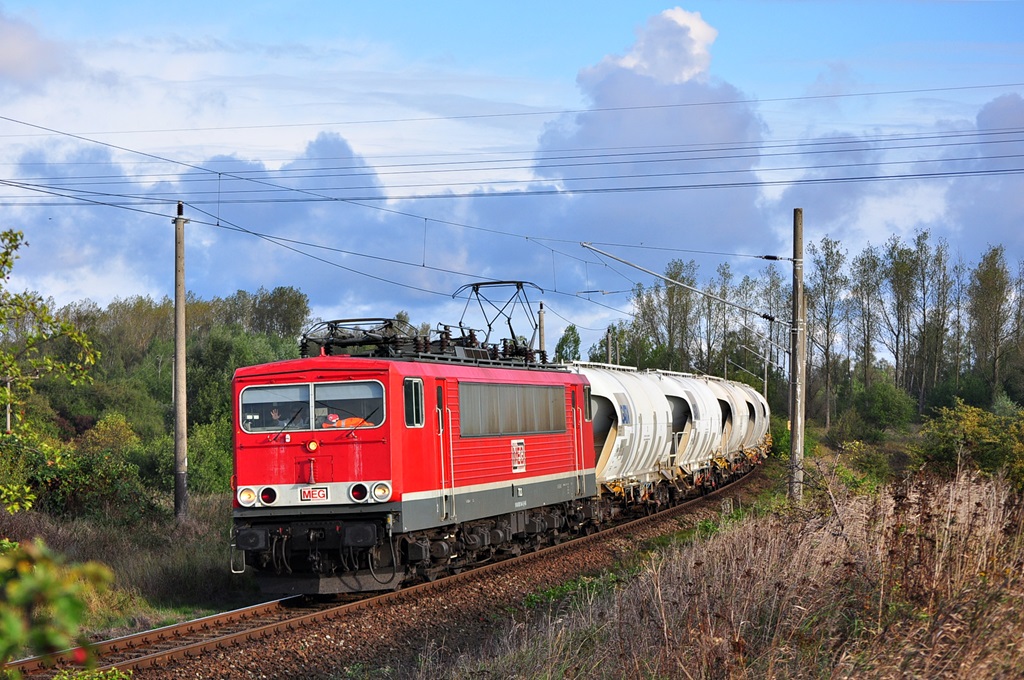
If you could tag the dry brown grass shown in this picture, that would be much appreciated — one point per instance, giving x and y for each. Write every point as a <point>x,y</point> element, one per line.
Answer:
<point>922,580</point>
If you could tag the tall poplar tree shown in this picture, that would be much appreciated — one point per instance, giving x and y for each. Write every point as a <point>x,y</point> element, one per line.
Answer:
<point>827,288</point>
<point>991,308</point>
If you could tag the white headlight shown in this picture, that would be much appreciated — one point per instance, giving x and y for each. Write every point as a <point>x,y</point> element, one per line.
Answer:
<point>381,491</point>
<point>247,496</point>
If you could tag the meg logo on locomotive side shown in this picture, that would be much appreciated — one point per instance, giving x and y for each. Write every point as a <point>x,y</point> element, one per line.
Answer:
<point>518,455</point>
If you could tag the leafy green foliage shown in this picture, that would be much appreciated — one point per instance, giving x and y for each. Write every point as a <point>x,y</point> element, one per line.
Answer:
<point>884,406</point>
<point>213,360</point>
<point>568,347</point>
<point>42,606</point>
<point>967,435</point>
<point>209,457</point>
<point>15,492</point>
<point>112,674</point>
<point>781,439</point>
<point>94,476</point>
<point>1002,405</point>
<point>34,342</point>
<point>16,497</point>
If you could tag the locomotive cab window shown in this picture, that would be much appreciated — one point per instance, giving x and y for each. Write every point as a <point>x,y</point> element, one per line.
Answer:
<point>348,404</point>
<point>275,407</point>
<point>414,412</point>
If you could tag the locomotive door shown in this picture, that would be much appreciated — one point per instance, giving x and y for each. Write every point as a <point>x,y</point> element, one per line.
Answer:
<point>444,448</point>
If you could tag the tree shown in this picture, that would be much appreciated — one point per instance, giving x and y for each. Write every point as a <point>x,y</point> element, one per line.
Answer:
<point>898,267</point>
<point>34,342</point>
<point>776,299</point>
<point>212,360</point>
<point>990,307</point>
<point>620,335</point>
<point>665,316</point>
<point>826,290</point>
<point>942,309</point>
<point>865,300</point>
<point>885,406</point>
<point>282,312</point>
<point>568,347</point>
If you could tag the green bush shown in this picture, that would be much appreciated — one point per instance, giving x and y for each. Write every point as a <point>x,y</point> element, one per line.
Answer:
<point>43,607</point>
<point>155,462</point>
<point>112,674</point>
<point>869,466</point>
<point>1002,405</point>
<point>15,492</point>
<point>209,457</point>
<point>781,439</point>
<point>850,426</point>
<point>93,477</point>
<point>885,406</point>
<point>967,435</point>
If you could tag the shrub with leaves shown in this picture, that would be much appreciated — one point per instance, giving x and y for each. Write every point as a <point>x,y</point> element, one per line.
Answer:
<point>967,435</point>
<point>15,493</point>
<point>36,342</point>
<point>885,406</point>
<point>209,454</point>
<point>111,674</point>
<point>93,476</point>
<point>41,601</point>
<point>780,435</point>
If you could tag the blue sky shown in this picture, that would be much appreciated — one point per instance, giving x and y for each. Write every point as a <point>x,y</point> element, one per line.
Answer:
<point>427,133</point>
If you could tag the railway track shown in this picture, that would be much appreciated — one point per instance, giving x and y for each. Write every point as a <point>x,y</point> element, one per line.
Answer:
<point>161,648</point>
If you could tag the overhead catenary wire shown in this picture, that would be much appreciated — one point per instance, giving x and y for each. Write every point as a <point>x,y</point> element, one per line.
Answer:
<point>137,202</point>
<point>606,109</point>
<point>806,149</point>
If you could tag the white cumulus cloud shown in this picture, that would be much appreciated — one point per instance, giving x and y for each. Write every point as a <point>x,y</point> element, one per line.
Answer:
<point>674,47</point>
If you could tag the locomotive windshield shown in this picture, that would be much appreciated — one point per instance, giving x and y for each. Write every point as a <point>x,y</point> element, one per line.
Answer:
<point>275,407</point>
<point>348,404</point>
<point>300,407</point>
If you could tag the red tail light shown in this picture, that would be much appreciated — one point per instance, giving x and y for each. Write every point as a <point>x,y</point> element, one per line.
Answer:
<point>358,492</point>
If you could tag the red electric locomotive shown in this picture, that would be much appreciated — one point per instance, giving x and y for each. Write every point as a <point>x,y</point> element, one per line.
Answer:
<point>384,455</point>
<point>411,460</point>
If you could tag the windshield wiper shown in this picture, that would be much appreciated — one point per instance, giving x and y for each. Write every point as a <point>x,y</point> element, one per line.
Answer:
<point>285,426</point>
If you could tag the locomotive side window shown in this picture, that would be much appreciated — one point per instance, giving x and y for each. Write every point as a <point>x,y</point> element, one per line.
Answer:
<point>414,413</point>
<point>275,407</point>
<point>491,410</point>
<point>348,404</point>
